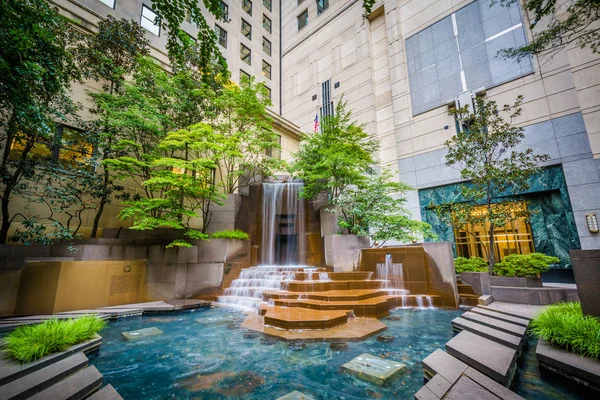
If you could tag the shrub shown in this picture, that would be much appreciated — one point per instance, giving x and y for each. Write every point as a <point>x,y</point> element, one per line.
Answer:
<point>227,234</point>
<point>28,343</point>
<point>564,325</point>
<point>473,264</point>
<point>525,265</point>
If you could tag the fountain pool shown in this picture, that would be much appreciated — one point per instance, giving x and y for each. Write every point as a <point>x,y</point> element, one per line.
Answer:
<point>204,354</point>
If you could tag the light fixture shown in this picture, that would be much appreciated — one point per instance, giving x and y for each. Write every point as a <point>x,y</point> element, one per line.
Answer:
<point>592,222</point>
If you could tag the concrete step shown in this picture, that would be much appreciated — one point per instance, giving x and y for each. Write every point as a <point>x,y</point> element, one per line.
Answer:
<point>77,386</point>
<point>502,317</point>
<point>106,393</point>
<point>464,288</point>
<point>441,363</point>
<point>505,327</point>
<point>512,314</point>
<point>488,357</point>
<point>376,307</point>
<point>469,300</point>
<point>321,286</point>
<point>497,336</point>
<point>301,318</point>
<point>43,378</point>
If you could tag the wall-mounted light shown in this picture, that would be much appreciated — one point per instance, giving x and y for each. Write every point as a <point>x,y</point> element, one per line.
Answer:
<point>592,222</point>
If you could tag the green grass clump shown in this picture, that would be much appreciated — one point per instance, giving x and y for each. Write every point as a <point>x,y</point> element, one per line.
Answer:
<point>525,265</point>
<point>473,264</point>
<point>28,343</point>
<point>227,234</point>
<point>564,325</point>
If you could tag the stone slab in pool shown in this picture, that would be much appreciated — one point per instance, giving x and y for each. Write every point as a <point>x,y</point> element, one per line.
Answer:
<point>295,395</point>
<point>141,333</point>
<point>374,369</point>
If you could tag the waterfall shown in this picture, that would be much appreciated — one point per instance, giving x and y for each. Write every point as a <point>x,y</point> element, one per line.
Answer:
<point>391,273</point>
<point>271,208</point>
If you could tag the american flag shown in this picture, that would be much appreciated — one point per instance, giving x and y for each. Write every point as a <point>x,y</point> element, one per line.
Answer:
<point>316,123</point>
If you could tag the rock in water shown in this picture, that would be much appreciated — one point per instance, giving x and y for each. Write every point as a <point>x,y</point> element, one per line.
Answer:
<point>339,346</point>
<point>296,346</point>
<point>394,318</point>
<point>385,338</point>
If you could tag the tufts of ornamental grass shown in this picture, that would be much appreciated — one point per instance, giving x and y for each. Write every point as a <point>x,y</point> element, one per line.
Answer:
<point>28,343</point>
<point>228,234</point>
<point>565,326</point>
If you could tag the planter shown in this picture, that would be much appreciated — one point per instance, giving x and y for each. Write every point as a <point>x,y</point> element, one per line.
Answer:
<point>223,217</point>
<point>342,252</point>
<point>480,281</point>
<point>587,275</point>
<point>515,281</point>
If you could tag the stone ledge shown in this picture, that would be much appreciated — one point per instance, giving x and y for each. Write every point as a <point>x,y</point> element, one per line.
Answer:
<point>583,370</point>
<point>535,296</point>
<point>497,336</point>
<point>485,300</point>
<point>502,317</point>
<point>494,323</point>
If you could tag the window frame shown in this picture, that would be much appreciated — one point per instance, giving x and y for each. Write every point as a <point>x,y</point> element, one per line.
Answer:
<point>249,25</point>
<point>269,68</point>
<point>249,55</point>
<point>321,10</point>
<point>244,4</point>
<point>300,16</point>
<point>244,74</point>
<point>220,29</point>
<point>143,17</point>
<point>114,3</point>
<point>224,11</point>
<point>270,47</point>
<point>269,6</point>
<point>270,30</point>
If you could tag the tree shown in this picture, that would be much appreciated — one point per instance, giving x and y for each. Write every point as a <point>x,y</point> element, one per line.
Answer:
<point>339,156</point>
<point>575,24</point>
<point>109,56</point>
<point>36,69</point>
<point>488,155</point>
<point>186,181</point>
<point>375,208</point>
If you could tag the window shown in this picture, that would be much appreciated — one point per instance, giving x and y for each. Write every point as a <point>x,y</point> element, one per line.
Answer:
<point>149,21</point>
<point>512,238</point>
<point>266,69</point>
<point>247,6</point>
<point>275,151</point>
<point>266,23</point>
<point>268,92</point>
<point>300,1</point>
<point>110,3</point>
<point>224,11</point>
<point>327,103</point>
<point>266,46</point>
<point>245,54</point>
<point>267,4</point>
<point>303,19</point>
<point>322,5</point>
<point>246,29</point>
<point>222,35</point>
<point>244,76</point>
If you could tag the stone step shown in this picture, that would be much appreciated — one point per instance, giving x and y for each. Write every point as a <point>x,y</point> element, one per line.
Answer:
<point>469,300</point>
<point>43,378</point>
<point>489,333</point>
<point>301,318</point>
<point>502,317</point>
<point>464,288</point>
<point>441,363</point>
<point>376,307</point>
<point>321,286</point>
<point>333,295</point>
<point>411,301</point>
<point>106,393</point>
<point>505,327</point>
<point>75,387</point>
<point>11,369</point>
<point>493,359</point>
<point>512,314</point>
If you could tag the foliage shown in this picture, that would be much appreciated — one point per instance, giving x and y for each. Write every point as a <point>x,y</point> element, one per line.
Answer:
<point>368,7</point>
<point>525,265</point>
<point>36,69</point>
<point>227,234</point>
<point>564,326</point>
<point>186,183</point>
<point>375,208</point>
<point>564,24</point>
<point>243,134</point>
<point>486,153</point>
<point>28,343</point>
<point>473,264</point>
<point>336,158</point>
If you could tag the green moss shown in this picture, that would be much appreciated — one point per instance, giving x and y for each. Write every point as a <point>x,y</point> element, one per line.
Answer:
<point>564,326</point>
<point>227,234</point>
<point>473,264</point>
<point>525,265</point>
<point>28,343</point>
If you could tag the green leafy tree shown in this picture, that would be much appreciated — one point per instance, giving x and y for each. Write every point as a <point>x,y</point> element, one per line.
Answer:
<point>339,156</point>
<point>525,265</point>
<point>566,23</point>
<point>375,208</point>
<point>186,182</point>
<point>36,69</point>
<point>487,153</point>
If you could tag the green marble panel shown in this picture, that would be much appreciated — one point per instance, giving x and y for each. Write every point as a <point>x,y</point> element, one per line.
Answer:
<point>552,221</point>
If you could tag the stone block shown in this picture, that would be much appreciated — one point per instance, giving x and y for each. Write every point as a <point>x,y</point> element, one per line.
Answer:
<point>497,336</point>
<point>586,268</point>
<point>485,300</point>
<point>494,323</point>
<point>141,333</point>
<point>515,281</point>
<point>342,252</point>
<point>442,363</point>
<point>480,281</point>
<point>374,369</point>
<point>493,359</point>
<point>204,272</point>
<point>295,395</point>
<point>502,317</point>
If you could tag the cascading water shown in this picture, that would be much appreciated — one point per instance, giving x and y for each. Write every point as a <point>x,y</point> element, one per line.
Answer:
<point>392,273</point>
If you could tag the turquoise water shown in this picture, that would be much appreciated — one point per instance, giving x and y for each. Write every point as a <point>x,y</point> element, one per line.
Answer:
<point>204,354</point>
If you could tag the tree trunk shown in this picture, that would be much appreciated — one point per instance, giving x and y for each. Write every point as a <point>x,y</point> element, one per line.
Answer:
<point>492,253</point>
<point>103,201</point>
<point>5,219</point>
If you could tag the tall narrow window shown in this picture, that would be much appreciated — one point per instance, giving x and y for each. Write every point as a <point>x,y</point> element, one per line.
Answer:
<point>322,5</point>
<point>268,92</point>
<point>244,75</point>
<point>149,21</point>
<point>266,44</point>
<point>274,152</point>
<point>110,3</point>
<point>246,29</point>
<point>327,103</point>
<point>266,69</point>
<point>247,6</point>
<point>222,35</point>
<point>245,54</point>
<point>224,11</point>
<point>267,23</point>
<point>303,19</point>
<point>267,4</point>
